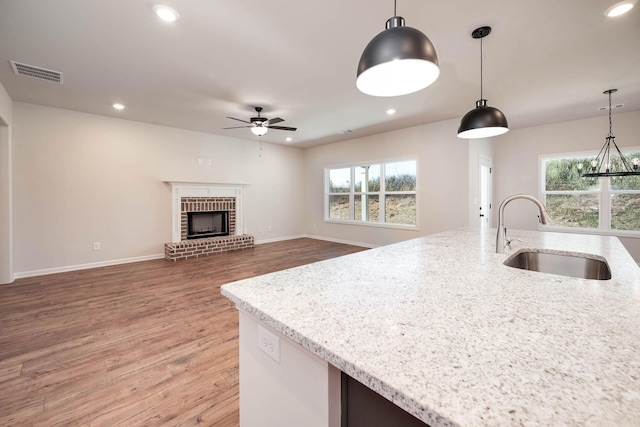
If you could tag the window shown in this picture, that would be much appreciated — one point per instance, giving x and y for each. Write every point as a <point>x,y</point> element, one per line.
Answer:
<point>375,193</point>
<point>607,204</point>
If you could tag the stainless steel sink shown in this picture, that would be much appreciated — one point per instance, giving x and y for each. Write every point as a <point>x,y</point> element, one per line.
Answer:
<point>584,266</point>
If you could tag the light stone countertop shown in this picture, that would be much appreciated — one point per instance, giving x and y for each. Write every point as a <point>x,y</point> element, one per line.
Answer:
<point>439,326</point>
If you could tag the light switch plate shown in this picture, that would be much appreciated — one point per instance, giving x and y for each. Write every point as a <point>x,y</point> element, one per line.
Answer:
<point>269,343</point>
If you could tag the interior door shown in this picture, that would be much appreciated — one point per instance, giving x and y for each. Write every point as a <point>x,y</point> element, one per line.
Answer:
<point>485,181</point>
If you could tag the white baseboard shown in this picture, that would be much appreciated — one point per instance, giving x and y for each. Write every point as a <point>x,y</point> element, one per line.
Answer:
<point>34,273</point>
<point>279,239</point>
<point>64,269</point>
<point>311,236</point>
<point>345,242</point>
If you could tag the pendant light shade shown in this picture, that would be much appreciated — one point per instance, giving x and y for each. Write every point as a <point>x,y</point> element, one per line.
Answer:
<point>483,121</point>
<point>398,61</point>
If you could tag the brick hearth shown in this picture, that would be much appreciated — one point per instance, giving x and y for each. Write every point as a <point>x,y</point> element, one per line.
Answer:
<point>203,247</point>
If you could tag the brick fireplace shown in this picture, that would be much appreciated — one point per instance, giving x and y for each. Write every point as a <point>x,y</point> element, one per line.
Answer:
<point>189,198</point>
<point>206,204</point>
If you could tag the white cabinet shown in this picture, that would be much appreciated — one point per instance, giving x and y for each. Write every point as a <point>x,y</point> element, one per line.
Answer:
<point>298,390</point>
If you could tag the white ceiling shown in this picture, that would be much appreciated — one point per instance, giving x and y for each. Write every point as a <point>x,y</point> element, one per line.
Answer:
<point>545,61</point>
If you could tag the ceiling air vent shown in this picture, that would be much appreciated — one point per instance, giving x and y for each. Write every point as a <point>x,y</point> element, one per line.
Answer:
<point>37,72</point>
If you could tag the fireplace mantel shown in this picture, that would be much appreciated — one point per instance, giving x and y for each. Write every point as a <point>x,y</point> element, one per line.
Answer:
<point>182,189</point>
<point>206,184</point>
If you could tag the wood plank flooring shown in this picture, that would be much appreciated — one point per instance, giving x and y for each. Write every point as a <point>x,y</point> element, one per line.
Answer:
<point>150,343</point>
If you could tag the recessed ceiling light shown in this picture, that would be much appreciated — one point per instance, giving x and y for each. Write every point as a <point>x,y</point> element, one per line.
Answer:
<point>391,111</point>
<point>289,139</point>
<point>118,106</point>
<point>620,8</point>
<point>165,13</point>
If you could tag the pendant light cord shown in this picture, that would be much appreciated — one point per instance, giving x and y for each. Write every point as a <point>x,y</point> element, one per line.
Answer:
<point>394,7</point>
<point>610,124</point>
<point>481,68</point>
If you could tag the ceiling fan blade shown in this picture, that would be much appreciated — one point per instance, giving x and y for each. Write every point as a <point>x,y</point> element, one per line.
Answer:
<point>281,128</point>
<point>243,121</point>
<point>275,120</point>
<point>238,127</point>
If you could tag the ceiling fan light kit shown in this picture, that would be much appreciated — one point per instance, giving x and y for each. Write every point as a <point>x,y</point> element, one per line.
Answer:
<point>398,61</point>
<point>259,130</point>
<point>483,121</point>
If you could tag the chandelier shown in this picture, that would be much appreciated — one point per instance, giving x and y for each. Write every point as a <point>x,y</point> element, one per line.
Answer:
<point>602,166</point>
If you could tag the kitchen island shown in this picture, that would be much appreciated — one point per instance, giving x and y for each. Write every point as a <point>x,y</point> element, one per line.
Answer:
<point>441,328</point>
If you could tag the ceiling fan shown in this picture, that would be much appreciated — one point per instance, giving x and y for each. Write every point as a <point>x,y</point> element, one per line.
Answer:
<point>260,125</point>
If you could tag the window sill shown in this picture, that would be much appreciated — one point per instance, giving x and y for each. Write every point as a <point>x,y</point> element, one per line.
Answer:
<point>407,227</point>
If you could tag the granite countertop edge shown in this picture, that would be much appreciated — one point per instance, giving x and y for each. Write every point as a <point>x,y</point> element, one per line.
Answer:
<point>441,246</point>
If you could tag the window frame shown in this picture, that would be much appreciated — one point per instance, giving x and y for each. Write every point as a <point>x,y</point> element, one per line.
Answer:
<point>382,194</point>
<point>604,192</point>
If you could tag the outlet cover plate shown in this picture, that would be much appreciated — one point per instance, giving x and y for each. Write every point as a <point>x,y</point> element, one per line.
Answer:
<point>269,343</point>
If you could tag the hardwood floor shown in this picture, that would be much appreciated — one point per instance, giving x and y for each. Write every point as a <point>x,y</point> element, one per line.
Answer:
<point>150,343</point>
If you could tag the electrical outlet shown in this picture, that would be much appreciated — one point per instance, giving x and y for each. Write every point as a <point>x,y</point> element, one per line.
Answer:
<point>269,228</point>
<point>208,162</point>
<point>96,246</point>
<point>269,343</point>
<point>200,161</point>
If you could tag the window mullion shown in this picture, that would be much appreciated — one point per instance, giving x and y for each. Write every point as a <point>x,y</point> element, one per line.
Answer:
<point>605,204</point>
<point>383,201</point>
<point>352,198</point>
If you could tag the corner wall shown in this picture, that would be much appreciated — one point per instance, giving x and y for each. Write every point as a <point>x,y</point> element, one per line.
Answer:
<point>81,178</point>
<point>6,199</point>
<point>443,181</point>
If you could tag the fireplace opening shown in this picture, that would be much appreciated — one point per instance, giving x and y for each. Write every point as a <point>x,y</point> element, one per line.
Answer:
<point>207,224</point>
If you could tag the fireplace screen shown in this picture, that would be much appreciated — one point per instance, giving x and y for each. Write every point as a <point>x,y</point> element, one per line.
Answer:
<point>207,224</point>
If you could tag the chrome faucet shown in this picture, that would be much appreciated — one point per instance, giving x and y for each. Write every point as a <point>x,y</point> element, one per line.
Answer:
<point>501,238</point>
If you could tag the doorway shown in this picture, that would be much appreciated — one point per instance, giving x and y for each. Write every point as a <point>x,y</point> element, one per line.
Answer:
<point>485,191</point>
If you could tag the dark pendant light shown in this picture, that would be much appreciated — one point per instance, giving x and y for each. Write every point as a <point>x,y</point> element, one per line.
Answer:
<point>398,61</point>
<point>602,166</point>
<point>483,121</point>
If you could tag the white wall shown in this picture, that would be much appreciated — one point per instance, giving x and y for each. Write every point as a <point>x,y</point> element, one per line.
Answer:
<point>6,217</point>
<point>81,178</point>
<point>516,161</point>
<point>443,180</point>
<point>6,106</point>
